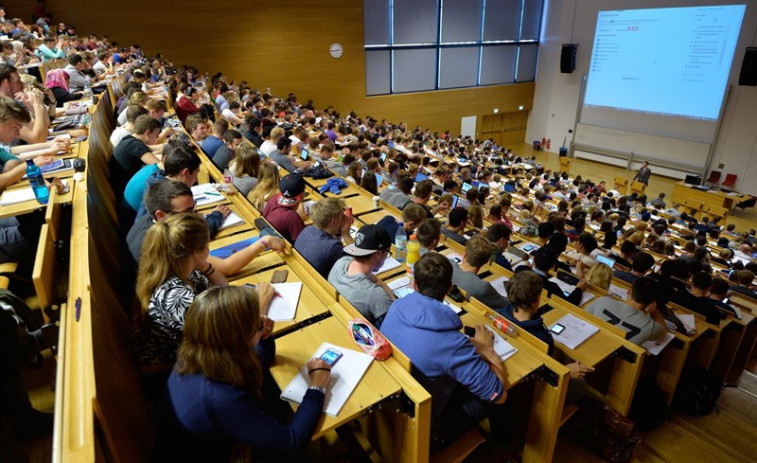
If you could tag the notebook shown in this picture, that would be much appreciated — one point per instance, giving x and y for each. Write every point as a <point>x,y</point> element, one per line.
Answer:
<point>232,220</point>
<point>206,193</point>
<point>502,348</point>
<point>389,264</point>
<point>284,306</point>
<point>655,346</point>
<point>229,249</point>
<point>576,331</point>
<point>345,376</point>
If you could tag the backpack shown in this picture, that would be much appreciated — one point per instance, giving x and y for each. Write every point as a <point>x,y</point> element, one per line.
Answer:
<point>318,172</point>
<point>604,431</point>
<point>698,391</point>
<point>26,321</point>
<point>650,405</point>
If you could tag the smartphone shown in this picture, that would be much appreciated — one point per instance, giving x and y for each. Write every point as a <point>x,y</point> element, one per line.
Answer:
<point>379,179</point>
<point>331,356</point>
<point>469,331</point>
<point>605,260</point>
<point>557,328</point>
<point>317,164</point>
<point>455,199</point>
<point>53,166</point>
<point>528,247</point>
<point>383,157</point>
<point>348,213</point>
<point>304,155</point>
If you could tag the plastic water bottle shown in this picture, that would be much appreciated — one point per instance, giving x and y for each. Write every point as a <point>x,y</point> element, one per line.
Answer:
<point>502,324</point>
<point>34,174</point>
<point>87,89</point>
<point>400,243</point>
<point>413,255</point>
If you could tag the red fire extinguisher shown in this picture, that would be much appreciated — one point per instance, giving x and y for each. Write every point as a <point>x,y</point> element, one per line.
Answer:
<point>549,143</point>
<point>543,142</point>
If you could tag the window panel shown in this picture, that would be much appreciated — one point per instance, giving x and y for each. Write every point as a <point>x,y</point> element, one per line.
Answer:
<point>461,20</point>
<point>502,19</point>
<point>527,63</point>
<point>498,64</point>
<point>458,67</point>
<point>415,21</point>
<point>376,20</point>
<point>414,70</point>
<point>377,72</point>
<point>531,20</point>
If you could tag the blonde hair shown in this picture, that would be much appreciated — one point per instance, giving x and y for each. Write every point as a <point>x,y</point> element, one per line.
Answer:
<point>276,134</point>
<point>167,246</point>
<point>268,185</point>
<point>138,98</point>
<point>11,110</point>
<point>636,237</point>
<point>326,210</point>
<point>600,276</point>
<point>246,160</point>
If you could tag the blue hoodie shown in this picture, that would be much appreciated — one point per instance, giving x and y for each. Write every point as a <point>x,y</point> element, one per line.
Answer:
<point>534,326</point>
<point>428,332</point>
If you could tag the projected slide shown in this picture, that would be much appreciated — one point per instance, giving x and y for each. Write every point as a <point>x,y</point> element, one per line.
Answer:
<point>667,61</point>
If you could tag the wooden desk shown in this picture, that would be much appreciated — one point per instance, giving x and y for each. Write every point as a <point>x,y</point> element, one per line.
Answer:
<point>309,306</point>
<point>374,217</point>
<point>263,261</point>
<point>296,348</point>
<point>27,207</point>
<point>683,193</point>
<point>608,343</point>
<point>360,204</point>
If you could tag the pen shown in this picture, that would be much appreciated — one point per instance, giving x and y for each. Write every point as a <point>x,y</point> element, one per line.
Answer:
<point>212,193</point>
<point>77,306</point>
<point>197,198</point>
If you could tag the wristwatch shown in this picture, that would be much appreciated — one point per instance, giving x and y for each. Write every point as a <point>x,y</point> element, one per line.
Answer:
<point>320,389</point>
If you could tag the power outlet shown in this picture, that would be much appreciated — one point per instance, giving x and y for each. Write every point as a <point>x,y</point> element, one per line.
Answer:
<point>720,166</point>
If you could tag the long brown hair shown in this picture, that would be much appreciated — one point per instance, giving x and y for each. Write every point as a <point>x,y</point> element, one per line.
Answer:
<point>268,185</point>
<point>167,246</point>
<point>246,160</point>
<point>217,339</point>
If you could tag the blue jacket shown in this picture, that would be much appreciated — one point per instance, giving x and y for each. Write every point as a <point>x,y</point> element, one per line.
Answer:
<point>428,332</point>
<point>535,327</point>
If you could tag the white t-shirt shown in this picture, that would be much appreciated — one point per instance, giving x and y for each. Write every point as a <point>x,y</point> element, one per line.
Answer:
<point>118,135</point>
<point>268,147</point>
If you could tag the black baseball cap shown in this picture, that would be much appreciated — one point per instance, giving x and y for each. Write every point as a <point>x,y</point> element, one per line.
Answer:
<point>291,187</point>
<point>369,239</point>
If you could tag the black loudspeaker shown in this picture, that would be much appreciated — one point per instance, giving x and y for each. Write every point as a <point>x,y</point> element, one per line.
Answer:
<point>568,58</point>
<point>748,74</point>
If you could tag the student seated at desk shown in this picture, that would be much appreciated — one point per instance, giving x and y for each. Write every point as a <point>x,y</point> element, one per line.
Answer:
<point>197,127</point>
<point>478,251</point>
<point>281,157</point>
<point>132,153</point>
<point>499,236</point>
<point>412,216</point>
<point>221,392</point>
<point>132,113</point>
<point>187,104</point>
<point>600,276</point>
<point>464,375</point>
<point>545,260</point>
<point>57,81</point>
<point>457,220</point>
<point>353,277</point>
<point>696,298</point>
<point>718,294</point>
<point>585,256</point>
<point>641,265</point>
<point>162,200</point>
<point>627,251</point>
<point>255,130</point>
<point>524,292</point>
<point>245,168</point>
<point>214,141</point>
<point>167,283</point>
<point>399,196</point>
<point>743,284</point>
<point>428,234</point>
<point>223,156</point>
<point>321,243</point>
<point>637,316</point>
<point>423,192</point>
<point>283,210</point>
<point>272,138</point>
<point>267,187</point>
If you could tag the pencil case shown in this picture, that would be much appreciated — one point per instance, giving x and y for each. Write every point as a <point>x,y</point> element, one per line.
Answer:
<point>370,339</point>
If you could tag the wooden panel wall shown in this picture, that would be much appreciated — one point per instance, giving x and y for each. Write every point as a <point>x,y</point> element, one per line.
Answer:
<point>281,44</point>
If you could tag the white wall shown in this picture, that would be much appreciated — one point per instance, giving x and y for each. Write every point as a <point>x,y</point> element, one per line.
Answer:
<point>556,96</point>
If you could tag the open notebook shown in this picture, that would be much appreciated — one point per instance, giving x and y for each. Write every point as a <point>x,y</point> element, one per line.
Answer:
<point>575,331</point>
<point>345,376</point>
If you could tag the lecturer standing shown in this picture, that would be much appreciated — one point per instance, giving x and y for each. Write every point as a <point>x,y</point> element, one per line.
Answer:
<point>643,174</point>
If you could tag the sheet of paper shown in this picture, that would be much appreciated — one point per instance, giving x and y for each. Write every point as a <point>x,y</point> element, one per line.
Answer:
<point>617,291</point>
<point>452,306</point>
<point>504,349</point>
<point>389,264</point>
<point>398,283</point>
<point>586,296</point>
<point>655,346</point>
<point>454,257</point>
<point>345,376</point>
<point>284,306</point>
<point>22,194</point>
<point>575,333</point>
<point>229,249</point>
<point>499,284</point>
<point>206,193</point>
<point>512,258</point>
<point>232,220</point>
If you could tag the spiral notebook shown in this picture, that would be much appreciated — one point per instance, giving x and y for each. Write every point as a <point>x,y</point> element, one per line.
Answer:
<point>345,376</point>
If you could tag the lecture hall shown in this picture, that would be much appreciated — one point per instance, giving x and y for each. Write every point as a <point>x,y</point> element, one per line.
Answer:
<point>380,230</point>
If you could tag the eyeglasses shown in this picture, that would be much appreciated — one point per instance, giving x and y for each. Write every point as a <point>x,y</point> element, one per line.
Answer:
<point>189,210</point>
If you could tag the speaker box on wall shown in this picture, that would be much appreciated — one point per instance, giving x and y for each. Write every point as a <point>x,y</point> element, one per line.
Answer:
<point>748,74</point>
<point>568,58</point>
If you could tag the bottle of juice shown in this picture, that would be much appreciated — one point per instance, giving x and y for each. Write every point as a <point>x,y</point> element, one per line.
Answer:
<point>413,254</point>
